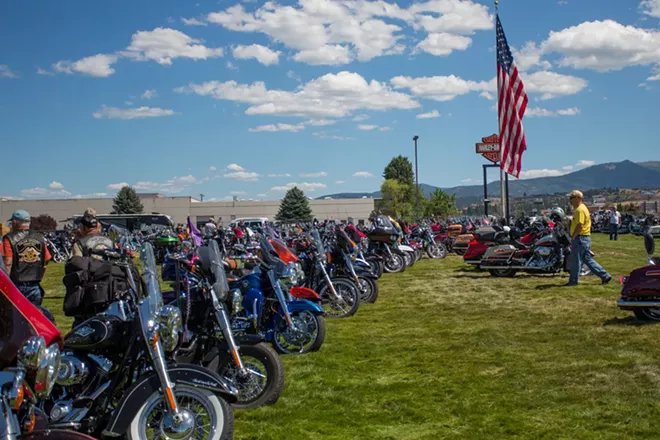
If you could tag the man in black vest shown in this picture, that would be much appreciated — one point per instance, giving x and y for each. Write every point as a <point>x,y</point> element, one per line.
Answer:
<point>25,255</point>
<point>89,237</point>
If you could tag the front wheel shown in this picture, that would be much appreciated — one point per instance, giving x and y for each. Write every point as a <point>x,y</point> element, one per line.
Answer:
<point>395,264</point>
<point>345,303</point>
<point>409,258</point>
<point>207,417</point>
<point>262,383</point>
<point>436,251</point>
<point>368,289</point>
<point>307,333</point>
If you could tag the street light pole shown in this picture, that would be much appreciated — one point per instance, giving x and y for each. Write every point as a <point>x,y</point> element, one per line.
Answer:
<point>416,180</point>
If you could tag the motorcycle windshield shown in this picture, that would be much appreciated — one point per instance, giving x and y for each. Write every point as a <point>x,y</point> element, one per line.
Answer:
<point>221,285</point>
<point>150,278</point>
<point>283,252</point>
<point>20,320</point>
<point>318,244</point>
<point>271,258</point>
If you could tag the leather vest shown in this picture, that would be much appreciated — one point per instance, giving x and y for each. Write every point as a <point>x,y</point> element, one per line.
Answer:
<point>29,249</point>
<point>94,242</point>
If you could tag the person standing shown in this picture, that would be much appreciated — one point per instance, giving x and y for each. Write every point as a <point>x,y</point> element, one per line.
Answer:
<point>89,238</point>
<point>615,223</point>
<point>25,256</point>
<point>581,242</point>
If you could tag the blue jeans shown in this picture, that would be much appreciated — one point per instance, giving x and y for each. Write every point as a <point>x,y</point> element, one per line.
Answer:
<point>614,232</point>
<point>34,294</point>
<point>580,253</point>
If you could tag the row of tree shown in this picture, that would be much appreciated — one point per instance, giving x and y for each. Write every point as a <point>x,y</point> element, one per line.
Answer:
<point>400,194</point>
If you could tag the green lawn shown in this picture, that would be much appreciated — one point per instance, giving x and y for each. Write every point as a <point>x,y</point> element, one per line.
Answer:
<point>448,352</point>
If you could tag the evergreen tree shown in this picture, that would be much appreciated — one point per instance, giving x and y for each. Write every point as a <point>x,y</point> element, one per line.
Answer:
<point>294,206</point>
<point>400,169</point>
<point>396,198</point>
<point>127,202</point>
<point>442,203</point>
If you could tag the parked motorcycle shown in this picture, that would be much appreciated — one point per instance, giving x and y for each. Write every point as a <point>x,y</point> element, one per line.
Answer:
<point>202,293</point>
<point>115,378</point>
<point>641,289</point>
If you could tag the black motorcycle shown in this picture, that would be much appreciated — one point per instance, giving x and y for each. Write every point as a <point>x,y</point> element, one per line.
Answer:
<point>244,360</point>
<point>115,379</point>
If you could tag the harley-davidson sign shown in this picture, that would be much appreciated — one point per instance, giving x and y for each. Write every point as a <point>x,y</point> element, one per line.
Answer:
<point>489,147</point>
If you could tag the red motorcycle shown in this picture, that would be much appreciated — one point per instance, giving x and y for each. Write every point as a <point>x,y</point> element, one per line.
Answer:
<point>487,237</point>
<point>29,363</point>
<point>641,289</point>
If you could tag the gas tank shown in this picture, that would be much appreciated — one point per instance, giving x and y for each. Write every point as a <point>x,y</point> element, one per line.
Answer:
<point>96,333</point>
<point>546,240</point>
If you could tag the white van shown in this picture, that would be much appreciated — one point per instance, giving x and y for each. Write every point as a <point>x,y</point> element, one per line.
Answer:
<point>251,222</point>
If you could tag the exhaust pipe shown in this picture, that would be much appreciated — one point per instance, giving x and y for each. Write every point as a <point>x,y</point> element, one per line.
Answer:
<point>622,303</point>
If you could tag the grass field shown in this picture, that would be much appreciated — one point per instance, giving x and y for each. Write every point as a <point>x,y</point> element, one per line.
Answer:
<point>450,353</point>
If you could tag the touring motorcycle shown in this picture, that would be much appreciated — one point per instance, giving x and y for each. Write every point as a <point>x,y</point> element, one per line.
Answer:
<point>641,289</point>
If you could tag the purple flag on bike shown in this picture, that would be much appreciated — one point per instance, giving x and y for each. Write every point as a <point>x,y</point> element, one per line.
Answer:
<point>195,234</point>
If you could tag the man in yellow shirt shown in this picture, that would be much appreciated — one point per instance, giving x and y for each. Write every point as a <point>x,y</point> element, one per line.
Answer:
<point>581,242</point>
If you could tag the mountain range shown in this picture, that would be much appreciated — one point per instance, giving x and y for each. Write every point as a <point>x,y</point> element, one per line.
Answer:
<point>625,174</point>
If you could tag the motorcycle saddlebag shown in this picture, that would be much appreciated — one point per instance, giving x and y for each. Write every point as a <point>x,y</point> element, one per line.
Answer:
<point>497,253</point>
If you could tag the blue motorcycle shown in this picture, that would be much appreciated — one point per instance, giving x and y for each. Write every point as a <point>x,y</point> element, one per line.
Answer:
<point>292,326</point>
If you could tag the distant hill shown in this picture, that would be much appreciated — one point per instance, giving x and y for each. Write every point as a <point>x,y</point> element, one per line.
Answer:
<point>624,174</point>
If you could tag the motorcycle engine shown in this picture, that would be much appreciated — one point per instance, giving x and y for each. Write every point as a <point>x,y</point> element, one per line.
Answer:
<point>543,257</point>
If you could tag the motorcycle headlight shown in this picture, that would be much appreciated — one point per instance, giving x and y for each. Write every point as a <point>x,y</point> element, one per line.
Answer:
<point>170,323</point>
<point>289,276</point>
<point>32,352</point>
<point>47,370</point>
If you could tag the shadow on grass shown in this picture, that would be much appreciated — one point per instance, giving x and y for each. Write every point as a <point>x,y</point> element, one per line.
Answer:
<point>472,277</point>
<point>629,321</point>
<point>550,286</point>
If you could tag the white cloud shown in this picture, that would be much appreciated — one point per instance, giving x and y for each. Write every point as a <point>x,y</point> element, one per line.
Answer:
<point>176,185</point>
<point>5,72</point>
<point>132,113</point>
<point>468,180</point>
<point>41,71</point>
<point>429,115</point>
<point>258,52</point>
<point>193,22</point>
<point>128,102</point>
<point>231,66</point>
<point>262,196</point>
<point>246,176</point>
<point>117,186</point>
<point>568,168</point>
<point>235,167</point>
<point>162,45</point>
<point>212,168</point>
<point>443,44</point>
<point>272,128</point>
<point>367,127</point>
<point>585,163</point>
<point>238,193</point>
<point>532,174</point>
<point>280,175</point>
<point>327,55</point>
<point>329,96</point>
<point>650,8</point>
<point>319,174</point>
<point>99,65</point>
<point>542,112</point>
<point>45,193</point>
<point>340,182</point>
<point>320,122</point>
<point>365,174</point>
<point>55,185</point>
<point>360,118</point>
<point>333,32</point>
<point>149,93</point>
<point>303,186</point>
<point>656,76</point>
<point>529,56</point>
<point>604,45</point>
<point>324,135</point>
<point>488,95</point>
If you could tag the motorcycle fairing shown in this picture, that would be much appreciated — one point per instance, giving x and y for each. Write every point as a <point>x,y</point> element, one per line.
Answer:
<point>642,282</point>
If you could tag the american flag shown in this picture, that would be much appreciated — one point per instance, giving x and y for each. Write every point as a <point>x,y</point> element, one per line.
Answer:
<point>511,105</point>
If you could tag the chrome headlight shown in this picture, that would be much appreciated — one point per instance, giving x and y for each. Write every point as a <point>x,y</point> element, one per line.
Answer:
<point>289,276</point>
<point>236,301</point>
<point>49,367</point>
<point>170,322</point>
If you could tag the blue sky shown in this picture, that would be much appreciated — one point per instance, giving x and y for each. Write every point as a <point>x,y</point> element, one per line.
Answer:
<point>249,98</point>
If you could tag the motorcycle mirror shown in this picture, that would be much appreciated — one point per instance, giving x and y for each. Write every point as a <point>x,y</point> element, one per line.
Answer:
<point>649,244</point>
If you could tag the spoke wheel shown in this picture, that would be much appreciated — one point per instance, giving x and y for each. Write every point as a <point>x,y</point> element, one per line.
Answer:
<point>308,334</point>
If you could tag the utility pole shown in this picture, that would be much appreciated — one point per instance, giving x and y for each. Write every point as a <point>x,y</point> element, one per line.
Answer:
<point>416,180</point>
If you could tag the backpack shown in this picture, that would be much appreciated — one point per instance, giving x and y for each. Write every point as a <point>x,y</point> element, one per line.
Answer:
<point>91,285</point>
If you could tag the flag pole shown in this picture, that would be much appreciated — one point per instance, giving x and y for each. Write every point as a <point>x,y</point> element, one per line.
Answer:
<point>503,181</point>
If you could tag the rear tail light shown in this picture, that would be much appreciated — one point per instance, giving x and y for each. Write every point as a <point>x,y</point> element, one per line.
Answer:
<point>623,280</point>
